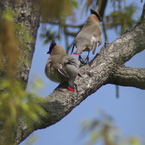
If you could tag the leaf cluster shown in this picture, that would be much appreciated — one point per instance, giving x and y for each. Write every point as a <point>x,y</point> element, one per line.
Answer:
<point>102,130</point>
<point>56,14</point>
<point>122,18</point>
<point>52,10</point>
<point>14,100</point>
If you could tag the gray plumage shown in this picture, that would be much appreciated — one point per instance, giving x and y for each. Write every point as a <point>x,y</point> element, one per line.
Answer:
<point>61,67</point>
<point>90,36</point>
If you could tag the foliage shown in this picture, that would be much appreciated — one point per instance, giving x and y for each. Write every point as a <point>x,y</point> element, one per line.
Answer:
<point>102,130</point>
<point>56,18</point>
<point>14,100</point>
<point>122,18</point>
<point>31,140</point>
<point>88,4</point>
<point>52,10</point>
<point>8,47</point>
<point>12,45</point>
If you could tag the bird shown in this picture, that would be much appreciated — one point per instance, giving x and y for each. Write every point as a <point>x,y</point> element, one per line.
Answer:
<point>61,67</point>
<point>90,36</point>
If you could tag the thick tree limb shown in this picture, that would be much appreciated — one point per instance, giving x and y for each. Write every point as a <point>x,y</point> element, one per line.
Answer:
<point>105,68</point>
<point>143,13</point>
<point>127,76</point>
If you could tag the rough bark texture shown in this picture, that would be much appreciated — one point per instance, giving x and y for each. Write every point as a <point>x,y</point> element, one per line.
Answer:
<point>28,15</point>
<point>107,67</point>
<point>127,76</point>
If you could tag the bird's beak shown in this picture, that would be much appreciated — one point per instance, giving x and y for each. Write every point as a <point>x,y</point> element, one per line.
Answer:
<point>47,52</point>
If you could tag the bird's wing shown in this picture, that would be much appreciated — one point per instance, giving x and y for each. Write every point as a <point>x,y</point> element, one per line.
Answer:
<point>95,46</point>
<point>70,60</point>
<point>57,65</point>
<point>60,70</point>
<point>88,32</point>
<point>96,38</point>
<point>71,66</point>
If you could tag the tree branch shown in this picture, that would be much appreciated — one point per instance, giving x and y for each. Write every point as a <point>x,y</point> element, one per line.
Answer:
<point>101,7</point>
<point>102,69</point>
<point>143,13</point>
<point>127,76</point>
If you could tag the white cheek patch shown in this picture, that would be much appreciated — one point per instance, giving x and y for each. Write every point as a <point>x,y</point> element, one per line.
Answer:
<point>93,39</point>
<point>49,61</point>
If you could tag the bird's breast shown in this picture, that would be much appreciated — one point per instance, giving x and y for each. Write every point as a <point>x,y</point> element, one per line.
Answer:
<point>53,74</point>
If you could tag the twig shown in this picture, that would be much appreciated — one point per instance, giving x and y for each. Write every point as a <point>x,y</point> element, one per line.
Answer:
<point>143,13</point>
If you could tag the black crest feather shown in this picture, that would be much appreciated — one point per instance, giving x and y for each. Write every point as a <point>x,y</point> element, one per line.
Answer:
<point>52,44</point>
<point>93,11</point>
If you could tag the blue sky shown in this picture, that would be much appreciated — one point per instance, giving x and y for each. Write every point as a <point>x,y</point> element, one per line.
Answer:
<point>127,111</point>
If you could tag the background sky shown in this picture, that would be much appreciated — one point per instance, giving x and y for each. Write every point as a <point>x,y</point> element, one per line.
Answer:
<point>127,111</point>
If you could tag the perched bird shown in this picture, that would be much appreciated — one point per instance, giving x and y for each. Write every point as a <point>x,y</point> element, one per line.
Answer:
<point>61,67</point>
<point>90,36</point>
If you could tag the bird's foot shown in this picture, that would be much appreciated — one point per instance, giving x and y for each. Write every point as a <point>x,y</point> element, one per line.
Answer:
<point>87,59</point>
<point>82,60</point>
<point>126,31</point>
<point>106,42</point>
<point>71,89</point>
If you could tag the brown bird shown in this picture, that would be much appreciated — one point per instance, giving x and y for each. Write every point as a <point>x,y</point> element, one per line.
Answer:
<point>61,67</point>
<point>90,36</point>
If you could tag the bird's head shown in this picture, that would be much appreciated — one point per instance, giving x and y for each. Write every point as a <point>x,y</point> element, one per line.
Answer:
<point>55,49</point>
<point>93,11</point>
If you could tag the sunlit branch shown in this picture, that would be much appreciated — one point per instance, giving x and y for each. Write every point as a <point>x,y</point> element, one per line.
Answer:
<point>127,76</point>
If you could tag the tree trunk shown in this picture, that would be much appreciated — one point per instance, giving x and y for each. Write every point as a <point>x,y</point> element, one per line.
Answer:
<point>107,67</point>
<point>28,15</point>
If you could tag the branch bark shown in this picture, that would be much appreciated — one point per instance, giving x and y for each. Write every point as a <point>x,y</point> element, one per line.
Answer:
<point>28,15</point>
<point>107,67</point>
<point>127,76</point>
